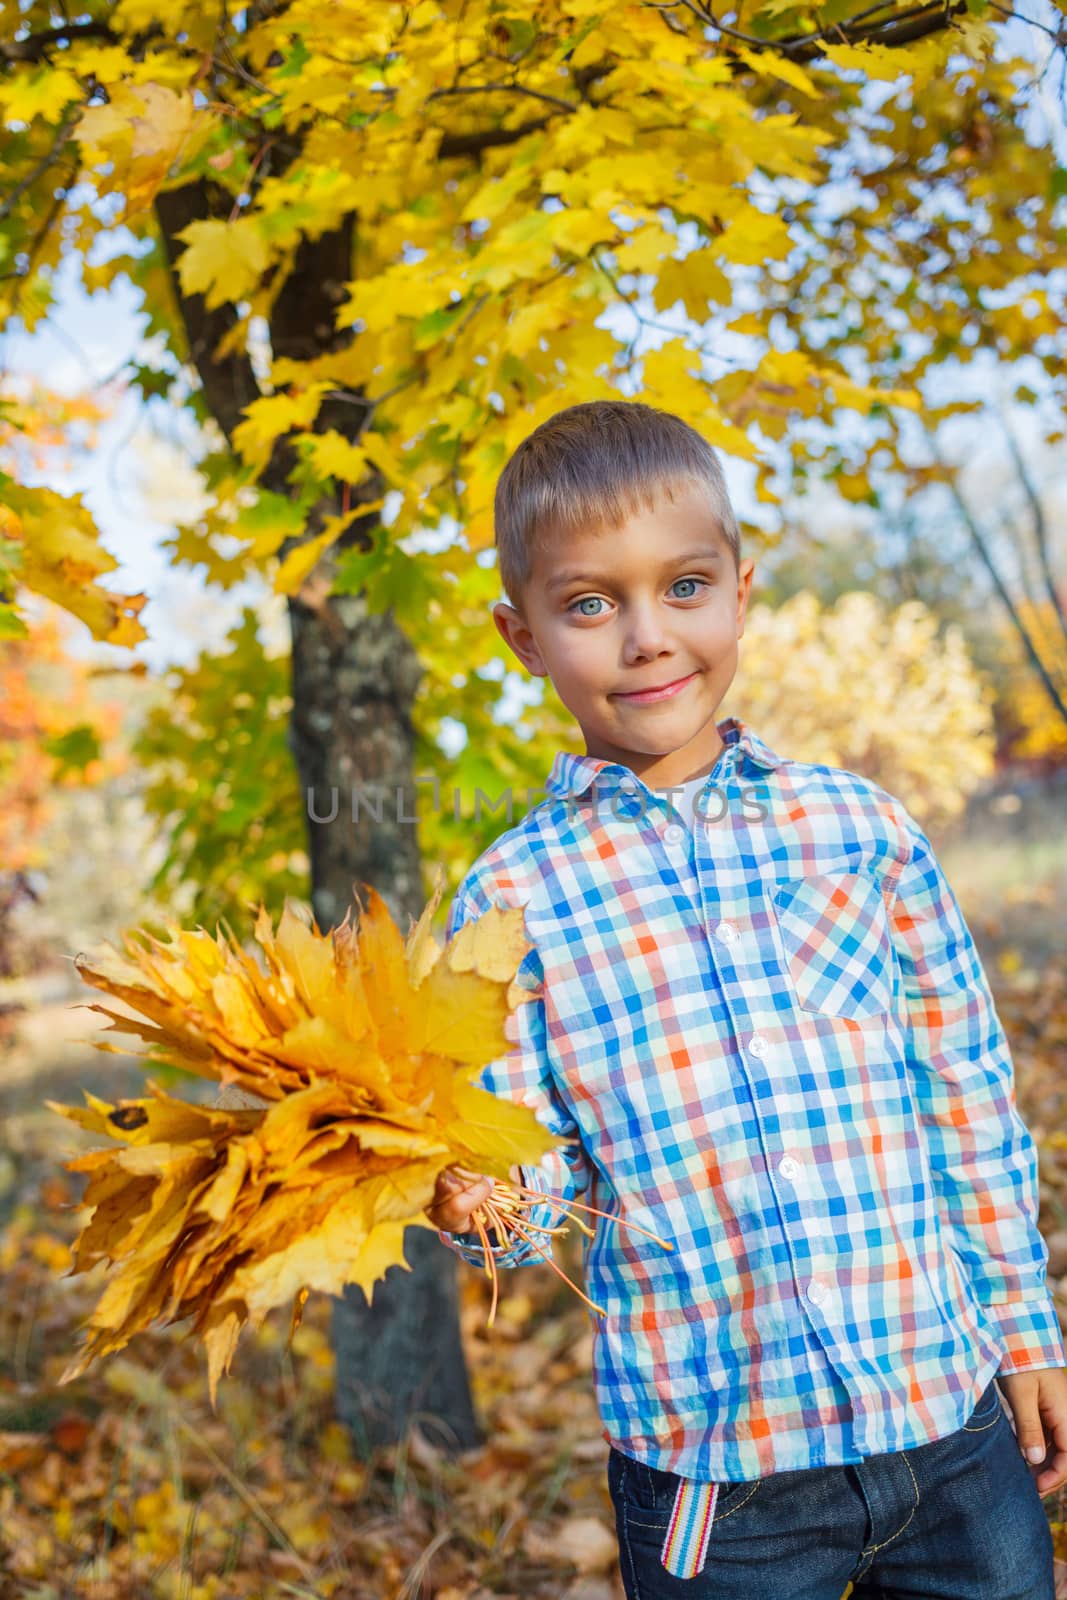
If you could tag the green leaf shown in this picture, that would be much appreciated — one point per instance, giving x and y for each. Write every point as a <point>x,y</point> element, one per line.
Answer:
<point>222,781</point>
<point>11,624</point>
<point>521,33</point>
<point>74,749</point>
<point>393,579</point>
<point>433,327</point>
<point>152,382</point>
<point>10,562</point>
<point>297,58</point>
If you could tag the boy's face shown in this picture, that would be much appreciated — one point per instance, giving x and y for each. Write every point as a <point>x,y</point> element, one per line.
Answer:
<point>607,612</point>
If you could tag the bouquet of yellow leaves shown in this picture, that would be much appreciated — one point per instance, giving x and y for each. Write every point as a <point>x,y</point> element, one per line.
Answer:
<point>364,1049</point>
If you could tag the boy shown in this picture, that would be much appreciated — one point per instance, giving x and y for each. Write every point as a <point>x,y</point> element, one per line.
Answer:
<point>761,1024</point>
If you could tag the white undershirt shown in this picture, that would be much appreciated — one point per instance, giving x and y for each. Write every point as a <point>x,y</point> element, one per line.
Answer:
<point>685,795</point>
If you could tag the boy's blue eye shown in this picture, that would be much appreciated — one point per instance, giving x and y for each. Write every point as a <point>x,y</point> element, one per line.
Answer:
<point>587,597</point>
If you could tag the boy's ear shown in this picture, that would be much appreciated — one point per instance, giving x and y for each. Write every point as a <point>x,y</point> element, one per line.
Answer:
<point>744,589</point>
<point>517,636</point>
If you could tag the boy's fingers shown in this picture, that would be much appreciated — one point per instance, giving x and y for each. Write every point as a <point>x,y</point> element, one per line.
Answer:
<point>457,1181</point>
<point>474,1191</point>
<point>1053,1473</point>
<point>458,1186</point>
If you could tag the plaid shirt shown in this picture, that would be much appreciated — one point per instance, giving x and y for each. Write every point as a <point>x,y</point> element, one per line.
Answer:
<point>771,1041</point>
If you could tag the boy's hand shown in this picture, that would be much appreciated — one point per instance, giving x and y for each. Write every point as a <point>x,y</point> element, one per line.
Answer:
<point>455,1198</point>
<point>1038,1402</point>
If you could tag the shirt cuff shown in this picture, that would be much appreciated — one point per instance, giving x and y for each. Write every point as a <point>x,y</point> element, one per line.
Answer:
<point>1028,1333</point>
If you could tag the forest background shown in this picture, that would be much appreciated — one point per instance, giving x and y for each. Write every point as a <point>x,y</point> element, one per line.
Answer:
<point>281,285</point>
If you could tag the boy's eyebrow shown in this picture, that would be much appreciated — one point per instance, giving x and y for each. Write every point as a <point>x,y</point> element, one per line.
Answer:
<point>705,553</point>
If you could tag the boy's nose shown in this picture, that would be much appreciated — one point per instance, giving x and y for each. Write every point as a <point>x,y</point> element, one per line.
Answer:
<point>646,638</point>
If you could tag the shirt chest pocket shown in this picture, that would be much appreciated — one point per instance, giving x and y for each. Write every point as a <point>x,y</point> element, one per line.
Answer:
<point>835,938</point>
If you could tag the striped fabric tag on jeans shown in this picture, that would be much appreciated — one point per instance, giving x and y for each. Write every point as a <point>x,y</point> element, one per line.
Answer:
<point>686,1545</point>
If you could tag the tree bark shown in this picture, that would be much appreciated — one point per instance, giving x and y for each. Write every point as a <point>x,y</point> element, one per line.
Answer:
<point>354,678</point>
<point>400,1359</point>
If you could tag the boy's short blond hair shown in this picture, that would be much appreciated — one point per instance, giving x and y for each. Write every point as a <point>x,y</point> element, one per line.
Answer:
<point>592,465</point>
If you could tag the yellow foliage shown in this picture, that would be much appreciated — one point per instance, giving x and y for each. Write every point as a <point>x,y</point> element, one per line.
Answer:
<point>507,173</point>
<point>143,131</point>
<point>296,566</point>
<point>362,1050</point>
<point>1035,730</point>
<point>871,690</point>
<point>223,261</point>
<point>61,557</point>
<point>504,295</point>
<point>42,92</point>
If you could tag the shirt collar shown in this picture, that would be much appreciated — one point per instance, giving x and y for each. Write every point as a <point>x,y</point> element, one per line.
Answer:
<point>573,775</point>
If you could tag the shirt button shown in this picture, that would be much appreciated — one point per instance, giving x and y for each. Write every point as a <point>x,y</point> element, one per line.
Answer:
<point>726,932</point>
<point>758,1045</point>
<point>627,785</point>
<point>673,833</point>
<point>817,1291</point>
<point>788,1167</point>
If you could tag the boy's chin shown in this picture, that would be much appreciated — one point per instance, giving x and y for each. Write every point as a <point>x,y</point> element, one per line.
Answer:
<point>625,743</point>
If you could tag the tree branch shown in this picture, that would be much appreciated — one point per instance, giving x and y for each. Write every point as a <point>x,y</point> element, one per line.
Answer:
<point>54,150</point>
<point>893,32</point>
<point>501,88</point>
<point>35,45</point>
<point>231,384</point>
<point>1040,526</point>
<point>978,539</point>
<point>472,144</point>
<point>903,28</point>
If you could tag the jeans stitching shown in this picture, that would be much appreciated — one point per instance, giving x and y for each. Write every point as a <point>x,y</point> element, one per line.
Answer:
<point>872,1549</point>
<point>998,1412</point>
<point>624,1540</point>
<point>740,1503</point>
<point>659,1527</point>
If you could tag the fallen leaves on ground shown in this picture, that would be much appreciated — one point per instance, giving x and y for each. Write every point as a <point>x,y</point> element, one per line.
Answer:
<point>124,1485</point>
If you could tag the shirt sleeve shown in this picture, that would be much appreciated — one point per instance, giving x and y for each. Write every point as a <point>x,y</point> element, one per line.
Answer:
<point>524,1074</point>
<point>983,1158</point>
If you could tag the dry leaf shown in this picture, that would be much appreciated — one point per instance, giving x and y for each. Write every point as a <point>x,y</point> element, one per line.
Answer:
<point>352,1058</point>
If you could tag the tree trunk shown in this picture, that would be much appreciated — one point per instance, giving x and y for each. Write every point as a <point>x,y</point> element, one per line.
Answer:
<point>354,679</point>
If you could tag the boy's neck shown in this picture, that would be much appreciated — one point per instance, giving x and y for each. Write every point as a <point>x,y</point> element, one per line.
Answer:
<point>665,771</point>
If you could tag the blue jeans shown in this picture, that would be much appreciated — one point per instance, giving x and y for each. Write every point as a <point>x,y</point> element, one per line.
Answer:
<point>957,1519</point>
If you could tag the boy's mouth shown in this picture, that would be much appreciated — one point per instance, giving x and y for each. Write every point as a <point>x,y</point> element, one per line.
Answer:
<point>660,692</point>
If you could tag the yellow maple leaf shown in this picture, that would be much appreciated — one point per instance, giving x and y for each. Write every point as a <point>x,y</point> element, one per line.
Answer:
<point>359,1047</point>
<point>143,131</point>
<point>877,61</point>
<point>222,260</point>
<point>61,557</point>
<point>296,566</point>
<point>337,457</point>
<point>775,65</point>
<point>45,92</point>
<point>753,237</point>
